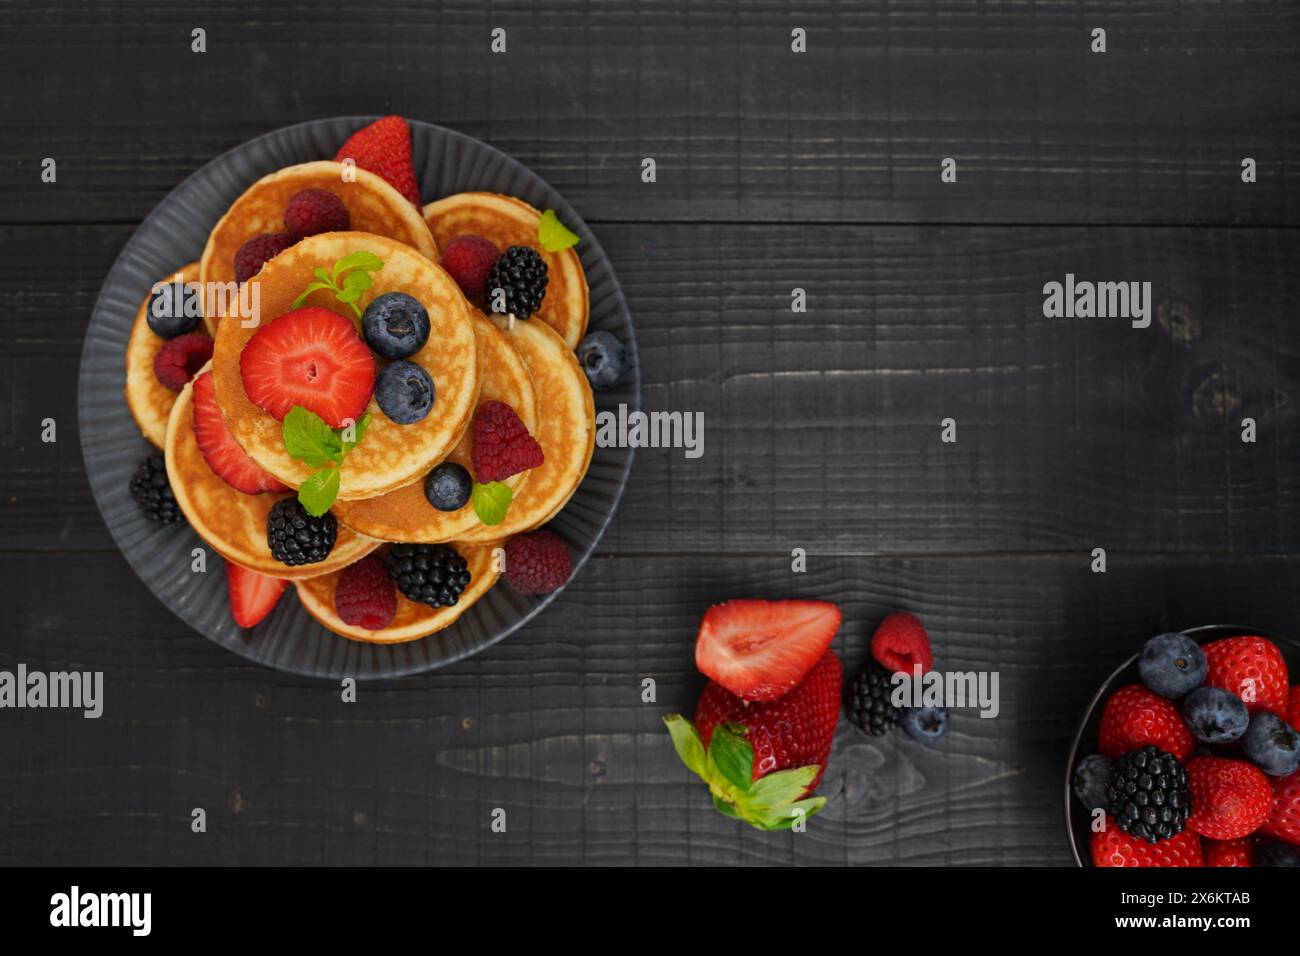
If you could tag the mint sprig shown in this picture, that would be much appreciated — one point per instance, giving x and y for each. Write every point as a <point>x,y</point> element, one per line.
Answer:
<point>309,438</point>
<point>553,234</point>
<point>348,280</point>
<point>491,501</point>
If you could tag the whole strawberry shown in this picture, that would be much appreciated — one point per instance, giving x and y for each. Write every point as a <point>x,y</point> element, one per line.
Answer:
<point>1135,716</point>
<point>1252,668</point>
<point>384,148</point>
<point>1113,847</point>
<point>1230,798</point>
<point>763,760</point>
<point>1293,708</point>
<point>1226,852</point>
<point>901,644</point>
<point>1284,815</point>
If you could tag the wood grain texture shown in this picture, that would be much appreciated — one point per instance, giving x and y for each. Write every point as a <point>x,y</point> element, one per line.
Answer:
<point>1043,130</point>
<point>550,726</point>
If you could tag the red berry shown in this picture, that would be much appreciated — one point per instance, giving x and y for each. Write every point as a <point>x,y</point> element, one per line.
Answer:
<point>1293,708</point>
<point>1226,852</point>
<point>760,650</point>
<point>1113,847</point>
<point>502,445</point>
<point>310,357</point>
<point>180,358</point>
<point>1230,798</point>
<point>228,461</point>
<point>537,563</point>
<point>469,260</point>
<point>1252,668</point>
<point>256,252</point>
<point>365,595</point>
<point>384,148</point>
<point>1284,815</point>
<point>314,211</point>
<point>900,643</point>
<point>1135,716</point>
<point>252,595</point>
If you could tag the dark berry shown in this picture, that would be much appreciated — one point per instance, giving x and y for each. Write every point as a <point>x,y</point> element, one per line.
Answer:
<point>432,574</point>
<point>313,211</point>
<point>1215,716</point>
<point>1272,744</point>
<point>173,309</point>
<point>448,486</point>
<point>295,537</point>
<point>604,358</point>
<point>870,708</point>
<point>404,392</point>
<point>521,274</point>
<point>152,492</point>
<point>926,724</point>
<point>1172,664</point>
<point>396,325</point>
<point>1147,794</point>
<point>1090,780</point>
<point>253,254</point>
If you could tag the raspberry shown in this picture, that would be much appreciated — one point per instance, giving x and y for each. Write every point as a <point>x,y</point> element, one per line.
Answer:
<point>469,260</point>
<point>180,359</point>
<point>900,643</point>
<point>502,445</point>
<point>365,596</point>
<point>254,253</point>
<point>314,211</point>
<point>537,563</point>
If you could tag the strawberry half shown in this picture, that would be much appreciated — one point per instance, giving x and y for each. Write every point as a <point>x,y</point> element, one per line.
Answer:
<point>1113,847</point>
<point>310,357</point>
<point>763,761</point>
<point>1252,668</point>
<point>760,650</point>
<point>227,460</point>
<point>384,148</point>
<point>252,595</point>
<point>1135,716</point>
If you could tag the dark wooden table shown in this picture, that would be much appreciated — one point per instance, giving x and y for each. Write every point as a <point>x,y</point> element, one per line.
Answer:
<point>775,170</point>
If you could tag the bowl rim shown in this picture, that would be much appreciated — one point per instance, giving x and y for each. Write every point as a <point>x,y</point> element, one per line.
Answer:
<point>1201,633</point>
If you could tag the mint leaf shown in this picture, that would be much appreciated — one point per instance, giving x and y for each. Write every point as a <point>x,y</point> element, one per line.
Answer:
<point>308,438</point>
<point>360,259</point>
<point>358,430</point>
<point>732,755</point>
<point>319,491</point>
<point>553,235</point>
<point>354,284</point>
<point>491,501</point>
<point>357,280</point>
<point>324,275</point>
<point>297,303</point>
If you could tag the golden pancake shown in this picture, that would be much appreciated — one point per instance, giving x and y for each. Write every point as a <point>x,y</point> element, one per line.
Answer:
<point>151,401</point>
<point>507,221</point>
<point>405,514</point>
<point>567,433</point>
<point>412,620</point>
<point>373,206</point>
<point>234,523</point>
<point>390,455</point>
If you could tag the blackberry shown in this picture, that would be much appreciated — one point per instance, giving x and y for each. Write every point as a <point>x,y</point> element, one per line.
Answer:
<point>432,574</point>
<point>521,274</point>
<point>295,537</point>
<point>153,493</point>
<point>870,709</point>
<point>1147,794</point>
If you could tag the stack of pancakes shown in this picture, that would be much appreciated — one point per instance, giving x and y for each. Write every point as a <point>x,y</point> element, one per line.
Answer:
<point>472,358</point>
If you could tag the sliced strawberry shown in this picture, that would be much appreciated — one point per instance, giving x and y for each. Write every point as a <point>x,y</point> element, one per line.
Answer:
<point>760,650</point>
<point>384,148</point>
<point>227,460</point>
<point>310,357</point>
<point>252,595</point>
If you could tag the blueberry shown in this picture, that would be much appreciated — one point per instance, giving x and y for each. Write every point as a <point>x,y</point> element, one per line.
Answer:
<point>167,314</point>
<point>1272,744</point>
<point>404,392</point>
<point>396,325</point>
<point>1215,716</point>
<point>1089,781</point>
<point>448,487</point>
<point>1276,854</point>
<point>1172,664</point>
<point>604,359</point>
<point>926,724</point>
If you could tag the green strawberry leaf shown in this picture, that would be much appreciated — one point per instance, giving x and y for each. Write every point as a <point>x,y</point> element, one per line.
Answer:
<point>308,438</point>
<point>725,808</point>
<point>785,818</point>
<point>318,492</point>
<point>491,501</point>
<point>553,235</point>
<point>732,755</point>
<point>686,741</point>
<point>781,789</point>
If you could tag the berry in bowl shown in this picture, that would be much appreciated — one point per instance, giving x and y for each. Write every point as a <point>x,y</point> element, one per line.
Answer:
<point>1189,755</point>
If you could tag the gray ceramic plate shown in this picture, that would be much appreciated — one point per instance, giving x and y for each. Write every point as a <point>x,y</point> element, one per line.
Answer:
<point>173,234</point>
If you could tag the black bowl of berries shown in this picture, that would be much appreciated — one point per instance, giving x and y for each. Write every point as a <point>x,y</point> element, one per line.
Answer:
<point>1189,755</point>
